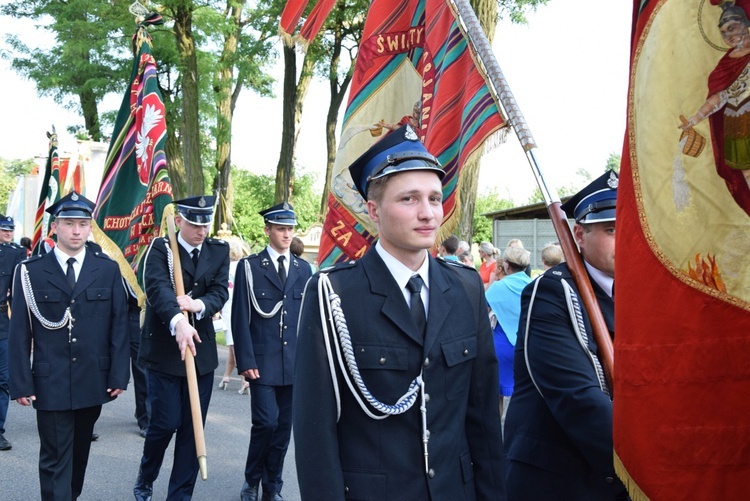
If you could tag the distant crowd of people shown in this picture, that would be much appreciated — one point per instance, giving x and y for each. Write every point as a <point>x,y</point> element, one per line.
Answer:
<point>401,375</point>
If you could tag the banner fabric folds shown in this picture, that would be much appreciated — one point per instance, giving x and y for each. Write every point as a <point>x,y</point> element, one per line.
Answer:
<point>414,66</point>
<point>135,187</point>
<point>681,370</point>
<point>48,195</point>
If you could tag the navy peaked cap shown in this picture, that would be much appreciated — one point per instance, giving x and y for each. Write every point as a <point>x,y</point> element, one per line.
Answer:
<point>7,223</point>
<point>73,206</point>
<point>596,202</point>
<point>399,151</point>
<point>196,210</point>
<point>282,214</point>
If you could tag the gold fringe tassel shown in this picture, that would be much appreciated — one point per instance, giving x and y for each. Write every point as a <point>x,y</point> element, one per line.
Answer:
<point>112,250</point>
<point>636,494</point>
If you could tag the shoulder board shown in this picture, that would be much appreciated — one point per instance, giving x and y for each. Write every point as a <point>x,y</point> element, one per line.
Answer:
<point>34,258</point>
<point>454,264</point>
<point>252,256</point>
<point>101,254</point>
<point>338,267</point>
<point>216,241</point>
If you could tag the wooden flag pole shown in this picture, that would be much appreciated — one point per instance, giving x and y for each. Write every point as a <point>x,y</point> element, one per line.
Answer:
<point>471,27</point>
<point>195,402</point>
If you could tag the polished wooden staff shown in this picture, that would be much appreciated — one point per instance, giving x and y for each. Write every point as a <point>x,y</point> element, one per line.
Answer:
<point>499,86</point>
<point>192,378</point>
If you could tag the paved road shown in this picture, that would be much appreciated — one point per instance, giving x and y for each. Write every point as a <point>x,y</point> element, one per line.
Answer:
<point>113,464</point>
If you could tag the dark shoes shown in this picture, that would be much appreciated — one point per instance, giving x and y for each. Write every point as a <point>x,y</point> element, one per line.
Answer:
<point>142,432</point>
<point>142,490</point>
<point>249,493</point>
<point>94,437</point>
<point>4,444</point>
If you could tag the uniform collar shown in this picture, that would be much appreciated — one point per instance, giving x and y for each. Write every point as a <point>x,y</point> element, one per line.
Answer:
<point>400,272</point>
<point>605,281</point>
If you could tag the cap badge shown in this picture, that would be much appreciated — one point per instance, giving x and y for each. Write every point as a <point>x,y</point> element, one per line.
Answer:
<point>410,134</point>
<point>74,197</point>
<point>202,202</point>
<point>612,182</point>
<point>286,206</point>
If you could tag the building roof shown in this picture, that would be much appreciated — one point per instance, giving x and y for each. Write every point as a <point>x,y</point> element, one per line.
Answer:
<point>533,211</point>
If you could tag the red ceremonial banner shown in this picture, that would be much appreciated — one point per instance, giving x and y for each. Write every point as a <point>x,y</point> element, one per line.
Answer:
<point>683,267</point>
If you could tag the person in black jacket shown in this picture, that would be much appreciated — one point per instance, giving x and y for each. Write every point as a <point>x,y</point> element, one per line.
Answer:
<point>558,430</point>
<point>70,304</point>
<point>168,332</point>
<point>10,256</point>
<point>395,392</point>
<point>265,307</point>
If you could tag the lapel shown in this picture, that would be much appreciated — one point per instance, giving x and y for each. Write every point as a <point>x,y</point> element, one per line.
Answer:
<point>204,262</point>
<point>87,275</point>
<point>440,302</point>
<point>270,270</point>
<point>55,274</point>
<point>383,284</point>
<point>186,263</point>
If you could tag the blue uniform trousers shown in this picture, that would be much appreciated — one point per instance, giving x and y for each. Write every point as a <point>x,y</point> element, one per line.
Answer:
<point>169,401</point>
<point>269,437</point>
<point>65,442</point>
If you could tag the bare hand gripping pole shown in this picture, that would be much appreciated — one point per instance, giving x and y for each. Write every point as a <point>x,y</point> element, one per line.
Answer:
<point>195,402</point>
<point>499,86</point>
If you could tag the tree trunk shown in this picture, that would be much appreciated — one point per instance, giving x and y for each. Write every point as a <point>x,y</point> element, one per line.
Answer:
<point>190,127</point>
<point>90,114</point>
<point>486,11</point>
<point>225,102</point>
<point>175,167</point>
<point>337,98</point>
<point>294,97</point>
<point>288,129</point>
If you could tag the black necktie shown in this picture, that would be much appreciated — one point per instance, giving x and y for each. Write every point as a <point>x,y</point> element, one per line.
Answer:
<point>195,258</point>
<point>70,274</point>
<point>417,306</point>
<point>282,270</point>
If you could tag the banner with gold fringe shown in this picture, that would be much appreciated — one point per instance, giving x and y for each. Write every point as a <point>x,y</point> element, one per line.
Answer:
<point>135,186</point>
<point>416,66</point>
<point>683,247</point>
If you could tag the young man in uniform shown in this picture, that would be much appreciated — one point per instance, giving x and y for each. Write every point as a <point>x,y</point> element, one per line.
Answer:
<point>265,307</point>
<point>10,256</point>
<point>558,430</point>
<point>168,332</point>
<point>69,304</point>
<point>396,379</point>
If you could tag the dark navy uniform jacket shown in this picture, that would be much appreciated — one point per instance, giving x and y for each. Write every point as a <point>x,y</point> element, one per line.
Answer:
<point>558,429</point>
<point>268,344</point>
<point>69,372</point>
<point>361,458</point>
<point>158,350</point>
<point>10,256</point>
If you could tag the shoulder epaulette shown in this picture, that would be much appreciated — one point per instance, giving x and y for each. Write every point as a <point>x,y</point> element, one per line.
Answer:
<point>217,241</point>
<point>454,264</point>
<point>34,258</point>
<point>339,266</point>
<point>252,256</point>
<point>101,254</point>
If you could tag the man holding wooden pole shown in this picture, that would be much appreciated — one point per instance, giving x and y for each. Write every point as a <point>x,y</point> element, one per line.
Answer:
<point>177,325</point>
<point>558,431</point>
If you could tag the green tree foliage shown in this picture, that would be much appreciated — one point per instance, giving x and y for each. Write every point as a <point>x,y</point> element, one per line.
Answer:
<point>613,162</point>
<point>488,202</point>
<point>9,172</point>
<point>88,60</point>
<point>254,193</point>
